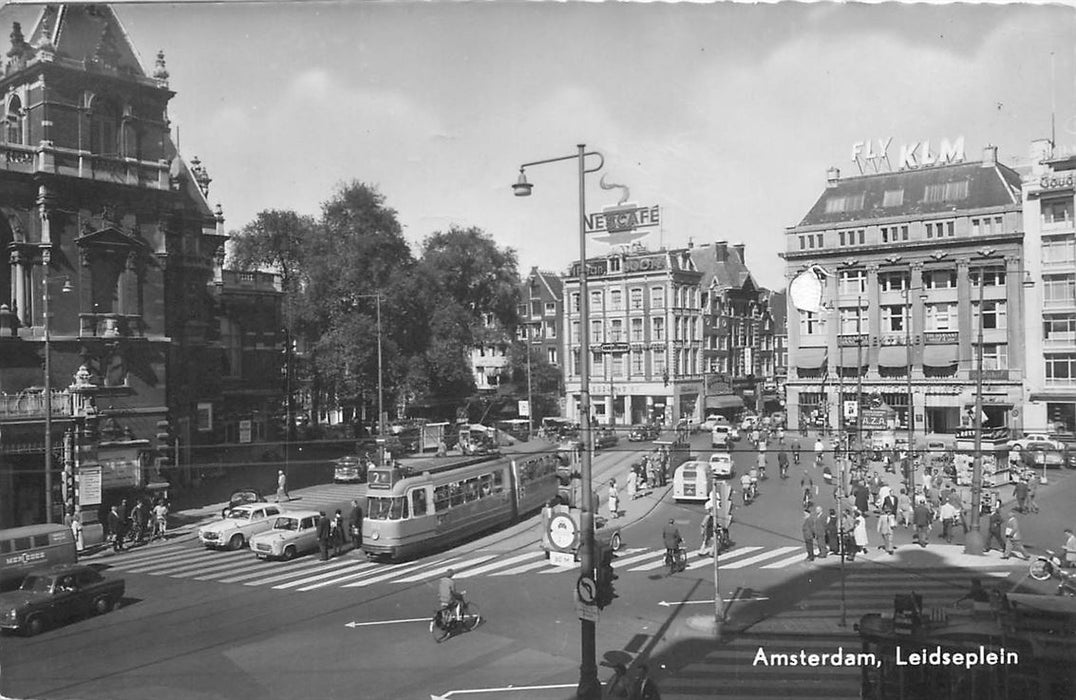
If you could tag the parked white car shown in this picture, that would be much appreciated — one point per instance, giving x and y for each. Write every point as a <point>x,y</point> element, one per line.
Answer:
<point>293,533</point>
<point>239,525</point>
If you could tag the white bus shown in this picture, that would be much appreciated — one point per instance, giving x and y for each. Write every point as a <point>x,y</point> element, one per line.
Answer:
<point>691,481</point>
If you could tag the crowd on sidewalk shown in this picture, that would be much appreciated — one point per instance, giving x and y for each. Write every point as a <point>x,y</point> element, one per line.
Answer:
<point>934,508</point>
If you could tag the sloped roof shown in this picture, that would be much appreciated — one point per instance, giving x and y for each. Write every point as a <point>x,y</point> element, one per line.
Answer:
<point>89,33</point>
<point>550,280</point>
<point>865,196</point>
<point>727,272</point>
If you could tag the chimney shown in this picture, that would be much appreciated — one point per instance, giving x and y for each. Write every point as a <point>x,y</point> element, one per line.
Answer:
<point>690,242</point>
<point>1041,150</point>
<point>833,176</point>
<point>721,251</point>
<point>739,251</point>
<point>990,156</point>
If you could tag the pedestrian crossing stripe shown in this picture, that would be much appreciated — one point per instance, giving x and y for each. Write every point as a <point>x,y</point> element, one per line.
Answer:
<point>309,573</point>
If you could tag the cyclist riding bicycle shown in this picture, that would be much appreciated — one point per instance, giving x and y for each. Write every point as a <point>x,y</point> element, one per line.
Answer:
<point>451,599</point>
<point>672,539</point>
<point>782,463</point>
<point>807,484</point>
<point>796,451</point>
<point>746,487</point>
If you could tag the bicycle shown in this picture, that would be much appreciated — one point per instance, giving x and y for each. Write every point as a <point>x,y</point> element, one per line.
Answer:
<point>676,560</point>
<point>462,616</point>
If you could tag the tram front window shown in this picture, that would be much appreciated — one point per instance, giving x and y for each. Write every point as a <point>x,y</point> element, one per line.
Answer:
<point>381,508</point>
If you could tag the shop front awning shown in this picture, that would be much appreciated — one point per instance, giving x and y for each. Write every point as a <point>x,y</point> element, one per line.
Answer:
<point>810,358</point>
<point>893,356</point>
<point>853,357</point>
<point>940,355</point>
<point>724,401</point>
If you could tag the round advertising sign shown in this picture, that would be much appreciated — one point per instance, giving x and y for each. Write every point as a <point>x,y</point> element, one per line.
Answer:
<point>563,531</point>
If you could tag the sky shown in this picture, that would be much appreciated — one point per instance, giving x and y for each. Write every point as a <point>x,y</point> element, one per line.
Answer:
<point>725,115</point>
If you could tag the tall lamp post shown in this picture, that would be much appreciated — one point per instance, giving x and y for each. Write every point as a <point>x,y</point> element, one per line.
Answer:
<point>46,263</point>
<point>908,376</point>
<point>589,686</point>
<point>380,372</point>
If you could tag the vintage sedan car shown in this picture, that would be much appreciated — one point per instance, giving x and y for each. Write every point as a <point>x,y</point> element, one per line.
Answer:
<point>721,465</point>
<point>1030,438</point>
<point>293,533</point>
<point>241,496</point>
<point>56,594</point>
<point>239,525</point>
<point>606,437</point>
<point>349,469</point>
<point>642,432</point>
<point>1036,455</point>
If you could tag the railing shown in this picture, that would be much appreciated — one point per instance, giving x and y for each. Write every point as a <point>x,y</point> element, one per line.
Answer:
<point>31,404</point>
<point>990,374</point>
<point>1059,303</point>
<point>46,157</point>
<point>1059,341</point>
<point>941,337</point>
<point>111,326</point>
<point>845,340</point>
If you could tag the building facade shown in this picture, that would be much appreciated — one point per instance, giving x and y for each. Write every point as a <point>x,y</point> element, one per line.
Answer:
<point>916,261</point>
<point>738,338</point>
<point>1050,325</point>
<point>97,203</point>
<point>541,315</point>
<point>646,339</point>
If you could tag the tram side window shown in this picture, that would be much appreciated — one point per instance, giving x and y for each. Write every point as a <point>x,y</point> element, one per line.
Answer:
<point>457,493</point>
<point>470,490</point>
<point>418,502</point>
<point>441,496</point>
<point>498,481</point>
<point>22,544</point>
<point>486,485</point>
<point>5,546</point>
<point>41,540</point>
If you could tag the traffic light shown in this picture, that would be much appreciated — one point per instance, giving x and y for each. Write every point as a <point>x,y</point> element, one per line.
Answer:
<point>605,576</point>
<point>165,445</point>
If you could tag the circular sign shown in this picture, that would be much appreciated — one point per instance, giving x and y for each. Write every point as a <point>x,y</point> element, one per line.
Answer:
<point>587,590</point>
<point>562,531</point>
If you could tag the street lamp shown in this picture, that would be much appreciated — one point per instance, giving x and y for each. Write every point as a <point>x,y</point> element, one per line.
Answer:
<point>973,542</point>
<point>46,262</point>
<point>589,686</point>
<point>380,373</point>
<point>911,402</point>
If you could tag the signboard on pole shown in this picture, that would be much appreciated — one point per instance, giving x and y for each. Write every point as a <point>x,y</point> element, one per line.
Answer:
<point>524,409</point>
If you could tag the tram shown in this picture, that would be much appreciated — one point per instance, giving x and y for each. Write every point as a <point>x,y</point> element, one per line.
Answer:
<point>409,514</point>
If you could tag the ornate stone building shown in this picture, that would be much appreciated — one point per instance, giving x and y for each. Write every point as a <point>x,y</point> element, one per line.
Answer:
<point>101,213</point>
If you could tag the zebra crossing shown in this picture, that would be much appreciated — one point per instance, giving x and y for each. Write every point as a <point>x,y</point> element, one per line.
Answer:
<point>185,560</point>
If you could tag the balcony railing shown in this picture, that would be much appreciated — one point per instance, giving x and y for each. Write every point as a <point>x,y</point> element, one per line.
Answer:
<point>111,326</point>
<point>31,405</point>
<point>990,374</point>
<point>1059,341</point>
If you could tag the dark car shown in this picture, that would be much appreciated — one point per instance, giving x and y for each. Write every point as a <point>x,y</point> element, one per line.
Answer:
<point>242,496</point>
<point>349,469</point>
<point>642,432</point>
<point>56,594</point>
<point>605,437</point>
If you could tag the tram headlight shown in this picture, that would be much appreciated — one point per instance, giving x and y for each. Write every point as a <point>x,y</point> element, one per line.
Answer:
<point>377,534</point>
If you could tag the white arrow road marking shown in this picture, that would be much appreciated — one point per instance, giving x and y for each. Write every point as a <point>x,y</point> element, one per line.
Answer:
<point>353,625</point>
<point>733,598</point>
<point>506,689</point>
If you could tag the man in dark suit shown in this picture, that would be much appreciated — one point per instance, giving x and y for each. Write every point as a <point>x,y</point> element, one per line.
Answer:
<point>355,523</point>
<point>324,533</point>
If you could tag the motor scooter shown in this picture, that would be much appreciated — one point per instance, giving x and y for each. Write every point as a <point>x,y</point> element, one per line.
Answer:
<point>1049,565</point>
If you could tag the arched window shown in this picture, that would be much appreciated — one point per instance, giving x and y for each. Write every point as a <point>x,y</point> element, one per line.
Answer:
<point>13,121</point>
<point>104,128</point>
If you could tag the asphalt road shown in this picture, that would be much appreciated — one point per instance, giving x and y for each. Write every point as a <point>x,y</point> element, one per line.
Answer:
<point>201,624</point>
